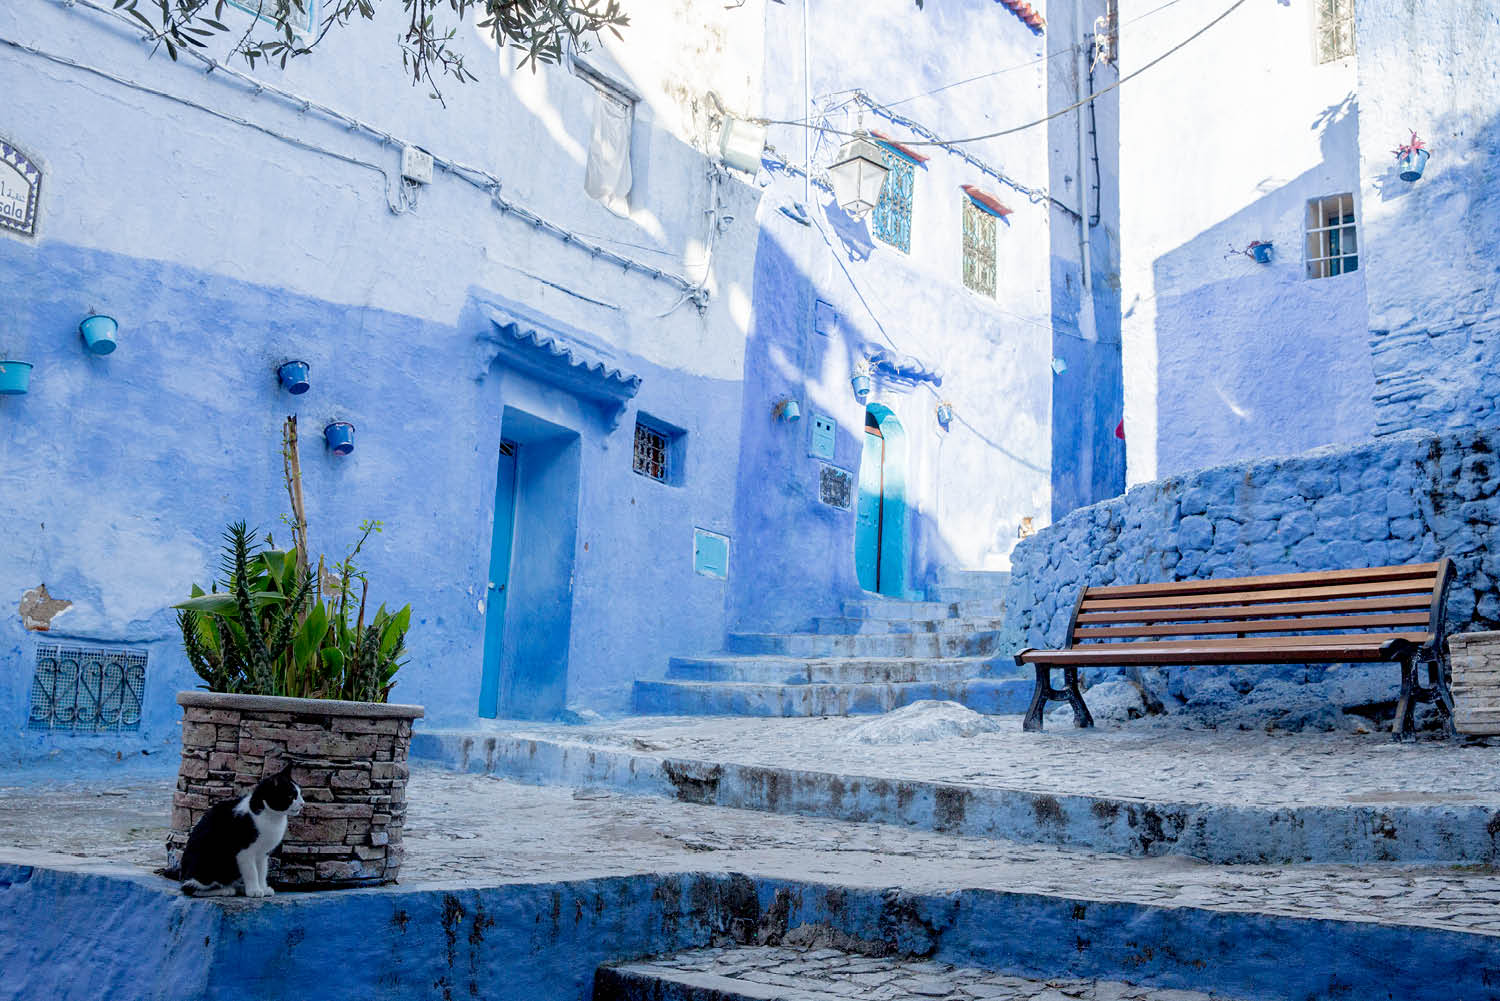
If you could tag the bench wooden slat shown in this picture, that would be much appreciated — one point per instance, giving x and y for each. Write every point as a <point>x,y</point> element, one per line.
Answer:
<point>1417,585</point>
<point>1274,581</point>
<point>1375,637</point>
<point>1203,654</point>
<point>1295,624</point>
<point>1394,603</point>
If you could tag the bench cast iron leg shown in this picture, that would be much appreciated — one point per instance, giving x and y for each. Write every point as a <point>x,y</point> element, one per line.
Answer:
<point>1044,693</point>
<point>1401,728</point>
<point>1442,696</point>
<point>1081,717</point>
<point>1040,695</point>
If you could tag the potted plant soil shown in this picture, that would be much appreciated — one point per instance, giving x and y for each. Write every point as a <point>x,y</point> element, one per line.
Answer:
<point>298,669</point>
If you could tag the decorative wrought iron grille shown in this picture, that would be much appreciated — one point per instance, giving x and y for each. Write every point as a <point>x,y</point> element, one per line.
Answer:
<point>650,452</point>
<point>979,249</point>
<point>836,487</point>
<point>302,17</point>
<point>893,210</point>
<point>1335,29</point>
<point>87,689</point>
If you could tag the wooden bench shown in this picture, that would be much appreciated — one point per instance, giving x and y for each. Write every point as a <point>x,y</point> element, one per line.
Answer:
<point>1328,617</point>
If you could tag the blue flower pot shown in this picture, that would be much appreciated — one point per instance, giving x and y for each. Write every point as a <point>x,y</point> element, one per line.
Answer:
<point>1262,253</point>
<point>340,437</point>
<point>944,415</point>
<point>790,411</point>
<point>1412,164</point>
<point>15,377</point>
<point>99,333</point>
<point>861,385</point>
<point>293,376</point>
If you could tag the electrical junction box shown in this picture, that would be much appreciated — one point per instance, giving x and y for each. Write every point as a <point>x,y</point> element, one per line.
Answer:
<point>741,145</point>
<point>825,319</point>
<point>416,165</point>
<point>825,432</point>
<point>710,554</point>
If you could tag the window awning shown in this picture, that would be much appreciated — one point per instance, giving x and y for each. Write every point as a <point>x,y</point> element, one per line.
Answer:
<point>558,360</point>
<point>986,201</point>
<point>898,147</point>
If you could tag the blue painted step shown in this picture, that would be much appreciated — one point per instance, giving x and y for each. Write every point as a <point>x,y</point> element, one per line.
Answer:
<point>828,670</point>
<point>874,608</point>
<point>990,695</point>
<point>974,643</point>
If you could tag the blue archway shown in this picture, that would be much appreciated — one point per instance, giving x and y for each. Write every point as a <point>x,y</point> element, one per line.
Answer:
<point>880,538</point>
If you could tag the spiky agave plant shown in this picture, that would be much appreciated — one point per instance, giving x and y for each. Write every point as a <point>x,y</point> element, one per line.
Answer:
<point>237,639</point>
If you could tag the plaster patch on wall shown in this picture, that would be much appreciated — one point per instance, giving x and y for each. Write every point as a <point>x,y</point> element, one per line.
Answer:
<point>38,608</point>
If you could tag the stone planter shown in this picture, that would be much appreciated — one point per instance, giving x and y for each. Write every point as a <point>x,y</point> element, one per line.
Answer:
<point>349,758</point>
<point>1476,682</point>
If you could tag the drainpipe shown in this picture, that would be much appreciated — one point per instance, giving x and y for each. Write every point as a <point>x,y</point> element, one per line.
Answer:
<point>1083,196</point>
<point>806,110</point>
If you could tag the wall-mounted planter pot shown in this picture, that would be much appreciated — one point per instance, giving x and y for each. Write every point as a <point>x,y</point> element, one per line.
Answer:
<point>15,377</point>
<point>99,333</point>
<point>861,386</point>
<point>340,437</point>
<point>1412,164</point>
<point>945,414</point>
<point>293,376</point>
<point>1261,252</point>
<point>788,410</point>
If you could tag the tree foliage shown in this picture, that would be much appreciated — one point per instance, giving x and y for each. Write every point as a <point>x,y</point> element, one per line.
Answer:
<point>430,51</point>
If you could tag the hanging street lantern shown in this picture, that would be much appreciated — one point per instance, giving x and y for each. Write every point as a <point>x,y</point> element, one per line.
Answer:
<point>858,174</point>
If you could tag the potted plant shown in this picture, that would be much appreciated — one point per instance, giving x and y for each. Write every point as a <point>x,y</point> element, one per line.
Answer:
<point>1260,250</point>
<point>15,376</point>
<point>298,669</point>
<point>99,332</point>
<point>860,380</point>
<point>944,413</point>
<point>1411,158</point>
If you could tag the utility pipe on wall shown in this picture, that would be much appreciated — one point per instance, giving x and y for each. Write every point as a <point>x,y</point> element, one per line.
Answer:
<point>1083,207</point>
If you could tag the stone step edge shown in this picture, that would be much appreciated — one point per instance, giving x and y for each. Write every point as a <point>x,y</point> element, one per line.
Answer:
<point>639,981</point>
<point>979,661</point>
<point>1215,832</point>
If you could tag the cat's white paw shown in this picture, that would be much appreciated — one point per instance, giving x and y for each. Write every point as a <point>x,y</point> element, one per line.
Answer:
<point>258,892</point>
<point>266,891</point>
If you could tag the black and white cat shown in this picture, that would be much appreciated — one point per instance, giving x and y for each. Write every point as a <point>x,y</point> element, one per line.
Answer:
<point>229,850</point>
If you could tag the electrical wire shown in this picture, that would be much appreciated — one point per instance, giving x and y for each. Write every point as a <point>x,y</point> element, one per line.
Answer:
<point>405,199</point>
<point>1056,114</point>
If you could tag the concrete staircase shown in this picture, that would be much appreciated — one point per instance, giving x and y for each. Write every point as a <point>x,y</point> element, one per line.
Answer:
<point>878,655</point>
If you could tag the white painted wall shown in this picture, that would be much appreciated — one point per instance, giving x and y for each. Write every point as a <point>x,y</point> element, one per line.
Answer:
<point>1223,143</point>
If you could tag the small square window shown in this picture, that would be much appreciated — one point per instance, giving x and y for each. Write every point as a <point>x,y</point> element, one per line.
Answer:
<point>979,249</point>
<point>659,450</point>
<point>1335,30</point>
<point>1331,247</point>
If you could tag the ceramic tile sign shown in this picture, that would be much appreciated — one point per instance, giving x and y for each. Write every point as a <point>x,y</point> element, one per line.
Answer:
<point>20,190</point>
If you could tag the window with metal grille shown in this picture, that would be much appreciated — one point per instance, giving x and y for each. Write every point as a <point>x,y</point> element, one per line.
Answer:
<point>893,209</point>
<point>1335,29</point>
<point>979,249</point>
<point>1331,245</point>
<point>78,689</point>
<point>652,452</point>
<point>302,16</point>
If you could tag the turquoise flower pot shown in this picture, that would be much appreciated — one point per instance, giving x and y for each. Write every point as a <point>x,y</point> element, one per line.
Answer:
<point>15,377</point>
<point>99,333</point>
<point>861,385</point>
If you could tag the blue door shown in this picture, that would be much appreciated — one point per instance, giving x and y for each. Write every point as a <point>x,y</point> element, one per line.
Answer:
<point>867,516</point>
<point>880,543</point>
<point>499,579</point>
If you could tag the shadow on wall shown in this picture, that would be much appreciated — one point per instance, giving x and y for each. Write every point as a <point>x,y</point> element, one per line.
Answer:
<point>1435,321</point>
<point>1258,359</point>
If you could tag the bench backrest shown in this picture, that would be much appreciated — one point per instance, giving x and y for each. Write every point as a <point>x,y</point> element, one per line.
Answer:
<point>1283,609</point>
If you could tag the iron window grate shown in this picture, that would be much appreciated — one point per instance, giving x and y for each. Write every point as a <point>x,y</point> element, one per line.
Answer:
<point>1335,30</point>
<point>979,249</point>
<point>893,210</point>
<point>836,487</point>
<point>77,689</point>
<point>650,453</point>
<point>1331,245</point>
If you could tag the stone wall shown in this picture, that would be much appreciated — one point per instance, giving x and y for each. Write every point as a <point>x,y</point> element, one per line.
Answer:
<point>1405,498</point>
<point>348,757</point>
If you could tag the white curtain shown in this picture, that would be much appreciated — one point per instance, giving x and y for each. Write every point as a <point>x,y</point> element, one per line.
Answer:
<point>608,178</point>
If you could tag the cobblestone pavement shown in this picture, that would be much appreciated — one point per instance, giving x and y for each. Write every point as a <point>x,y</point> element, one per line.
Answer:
<point>473,829</point>
<point>1122,762</point>
<point>827,973</point>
